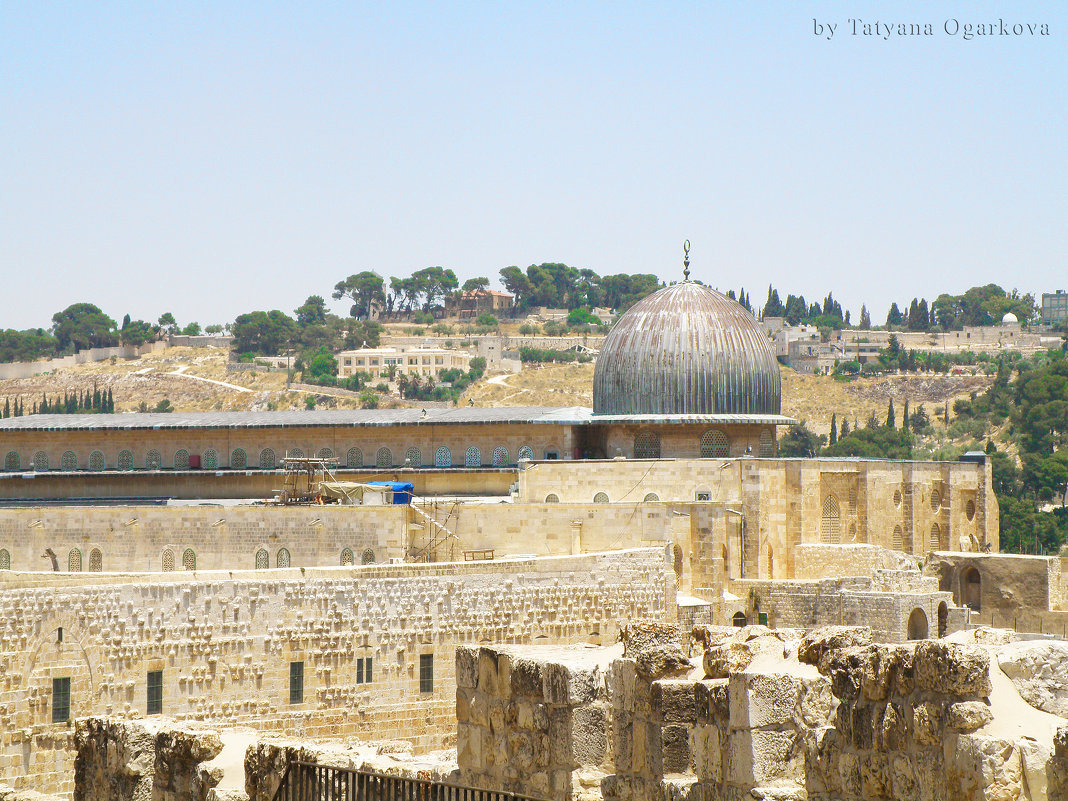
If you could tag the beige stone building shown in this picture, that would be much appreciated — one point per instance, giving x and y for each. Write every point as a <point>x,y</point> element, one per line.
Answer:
<point>418,361</point>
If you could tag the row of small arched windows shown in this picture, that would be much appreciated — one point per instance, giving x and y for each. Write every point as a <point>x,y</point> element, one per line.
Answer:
<point>189,559</point>
<point>74,560</point>
<point>714,445</point>
<point>267,460</point>
<point>831,530</point>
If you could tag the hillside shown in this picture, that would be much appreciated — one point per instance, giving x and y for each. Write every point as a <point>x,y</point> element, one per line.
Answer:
<point>184,376</point>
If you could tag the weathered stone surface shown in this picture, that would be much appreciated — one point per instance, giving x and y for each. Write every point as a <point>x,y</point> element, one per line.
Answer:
<point>829,638</point>
<point>958,670</point>
<point>986,768</point>
<point>720,661</point>
<point>1039,670</point>
<point>639,636</point>
<point>662,661</point>
<point>968,716</point>
<point>984,635</point>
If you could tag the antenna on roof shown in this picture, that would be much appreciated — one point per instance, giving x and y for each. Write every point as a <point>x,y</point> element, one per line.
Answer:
<point>686,260</point>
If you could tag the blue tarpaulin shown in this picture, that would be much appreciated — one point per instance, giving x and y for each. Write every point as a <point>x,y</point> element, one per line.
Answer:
<point>402,490</point>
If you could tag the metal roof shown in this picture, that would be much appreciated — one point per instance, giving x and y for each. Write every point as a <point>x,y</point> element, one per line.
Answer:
<point>465,415</point>
<point>294,419</point>
<point>686,350</point>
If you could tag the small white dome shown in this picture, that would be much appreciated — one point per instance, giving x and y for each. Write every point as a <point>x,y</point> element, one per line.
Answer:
<point>1009,318</point>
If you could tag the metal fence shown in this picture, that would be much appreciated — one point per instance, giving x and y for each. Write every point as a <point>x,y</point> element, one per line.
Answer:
<point>308,781</point>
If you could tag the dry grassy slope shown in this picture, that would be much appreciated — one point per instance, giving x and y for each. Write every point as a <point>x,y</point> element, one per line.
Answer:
<point>148,379</point>
<point>805,397</point>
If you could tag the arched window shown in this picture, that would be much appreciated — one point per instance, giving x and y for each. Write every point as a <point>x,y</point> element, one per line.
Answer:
<point>651,497</point>
<point>354,458</point>
<point>189,559</point>
<point>12,461</point>
<point>442,457</point>
<point>714,445</point>
<point>295,453</point>
<point>969,509</point>
<point>263,559</point>
<point>936,500</point>
<point>526,452</point>
<point>896,541</point>
<point>647,445</point>
<point>897,497</point>
<point>40,461</point>
<point>552,497</point>
<point>368,557</point>
<point>917,625</point>
<point>384,458</point>
<point>347,557</point>
<point>412,457</point>
<point>939,539</point>
<point>74,561</point>
<point>600,497</point>
<point>167,559</point>
<point>282,559</point>
<point>767,444</point>
<point>971,589</point>
<point>326,453</point>
<point>153,460</point>
<point>739,620</point>
<point>209,460</point>
<point>5,559</point>
<point>181,459</point>
<point>96,561</point>
<point>473,457</point>
<point>500,456</point>
<point>831,524</point>
<point>96,460</point>
<point>268,461</point>
<point>125,460</point>
<point>238,459</point>
<point>68,461</point>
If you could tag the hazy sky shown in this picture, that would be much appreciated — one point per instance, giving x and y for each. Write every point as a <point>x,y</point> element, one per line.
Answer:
<point>213,158</point>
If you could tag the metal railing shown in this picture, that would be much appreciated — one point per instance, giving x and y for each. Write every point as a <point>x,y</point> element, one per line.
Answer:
<point>309,781</point>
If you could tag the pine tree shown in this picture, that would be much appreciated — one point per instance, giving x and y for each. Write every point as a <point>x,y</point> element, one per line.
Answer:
<point>833,438</point>
<point>890,421</point>
<point>905,416</point>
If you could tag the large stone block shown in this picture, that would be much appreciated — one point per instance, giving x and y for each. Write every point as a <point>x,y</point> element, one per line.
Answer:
<point>760,757</point>
<point>527,679</point>
<point>662,661</point>
<point>816,643</point>
<point>968,716</point>
<point>1039,670</point>
<point>467,667</point>
<point>570,685</point>
<point>589,734</point>
<point>952,669</point>
<point>639,636</point>
<point>674,701</point>
<point>760,699</point>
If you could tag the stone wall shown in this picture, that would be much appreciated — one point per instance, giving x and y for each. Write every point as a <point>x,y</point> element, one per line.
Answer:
<point>135,538</point>
<point>818,561</point>
<point>774,715</point>
<point>528,717</point>
<point>915,507</point>
<point>225,643</point>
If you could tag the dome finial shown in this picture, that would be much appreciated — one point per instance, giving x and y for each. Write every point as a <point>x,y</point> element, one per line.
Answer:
<point>686,260</point>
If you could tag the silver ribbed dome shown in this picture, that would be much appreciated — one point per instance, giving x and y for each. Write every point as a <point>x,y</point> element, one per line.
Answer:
<point>686,349</point>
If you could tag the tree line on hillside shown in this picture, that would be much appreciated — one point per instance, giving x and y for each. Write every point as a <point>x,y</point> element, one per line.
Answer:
<point>72,402</point>
<point>81,326</point>
<point>1028,399</point>
<point>978,306</point>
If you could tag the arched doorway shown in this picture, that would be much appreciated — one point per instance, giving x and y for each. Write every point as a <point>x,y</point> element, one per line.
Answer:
<point>943,619</point>
<point>917,625</point>
<point>971,589</point>
<point>831,522</point>
<point>739,619</point>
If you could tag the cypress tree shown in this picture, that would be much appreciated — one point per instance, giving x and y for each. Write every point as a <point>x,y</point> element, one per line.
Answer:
<point>111,403</point>
<point>96,399</point>
<point>945,414</point>
<point>833,439</point>
<point>7,407</point>
<point>905,417</point>
<point>890,421</point>
<point>845,428</point>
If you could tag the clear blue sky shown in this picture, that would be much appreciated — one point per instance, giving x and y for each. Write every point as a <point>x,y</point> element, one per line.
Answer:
<point>213,158</point>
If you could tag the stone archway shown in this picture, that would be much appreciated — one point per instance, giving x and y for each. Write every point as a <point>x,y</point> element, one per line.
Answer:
<point>971,589</point>
<point>917,625</point>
